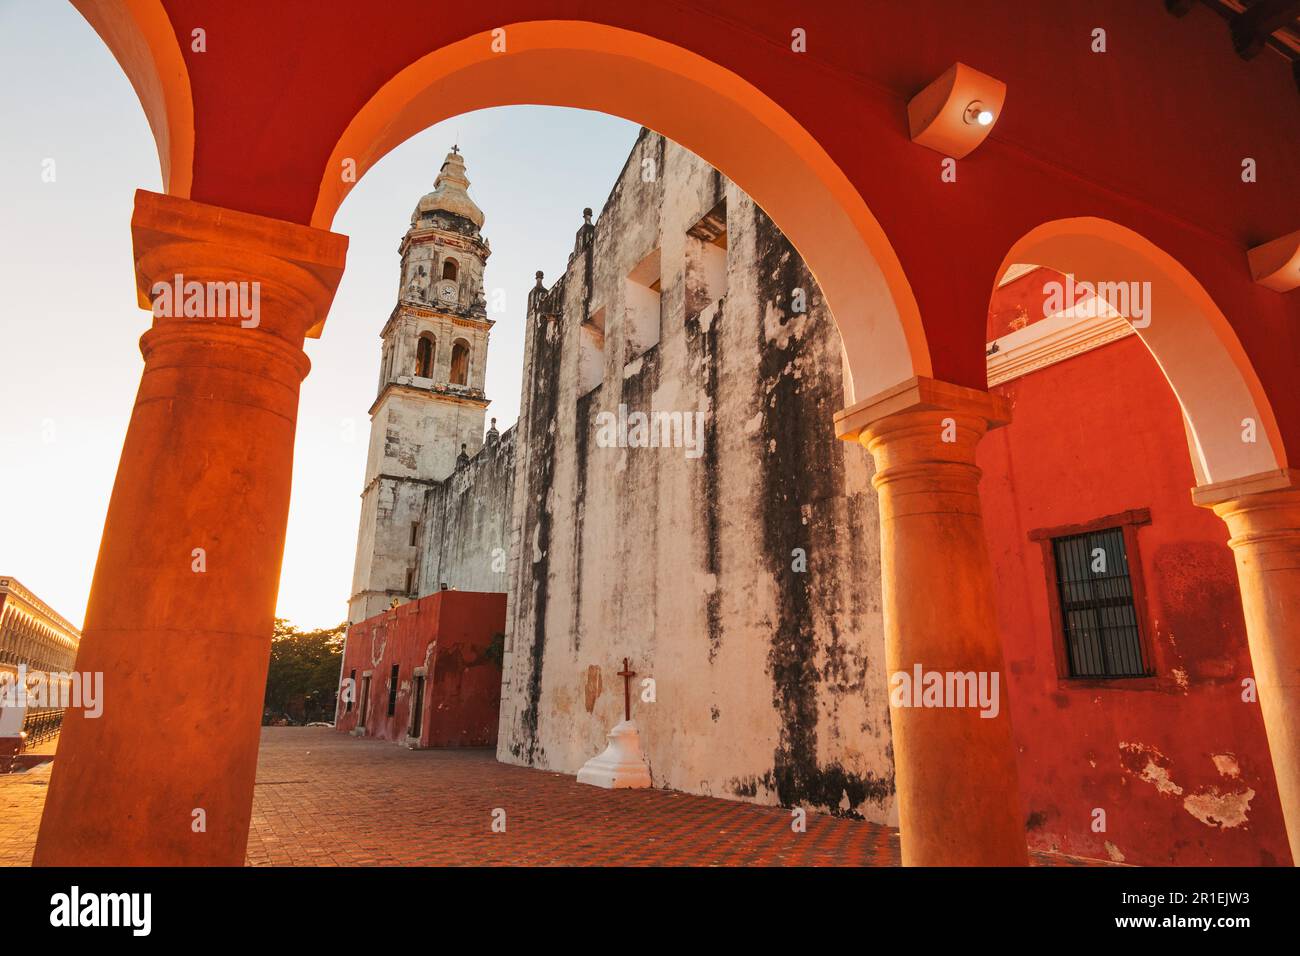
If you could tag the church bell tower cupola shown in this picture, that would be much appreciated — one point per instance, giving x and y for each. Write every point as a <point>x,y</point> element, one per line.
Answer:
<point>428,415</point>
<point>437,335</point>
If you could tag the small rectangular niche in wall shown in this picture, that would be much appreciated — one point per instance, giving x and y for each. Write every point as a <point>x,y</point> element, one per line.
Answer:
<point>641,324</point>
<point>591,359</point>
<point>706,260</point>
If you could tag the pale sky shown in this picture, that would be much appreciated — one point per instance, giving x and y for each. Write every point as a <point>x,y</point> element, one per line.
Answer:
<point>69,326</point>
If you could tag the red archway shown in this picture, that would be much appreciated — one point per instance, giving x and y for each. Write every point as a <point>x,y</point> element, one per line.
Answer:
<point>256,107</point>
<point>1192,341</point>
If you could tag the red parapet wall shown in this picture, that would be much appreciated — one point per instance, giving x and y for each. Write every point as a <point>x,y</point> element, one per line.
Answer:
<point>443,642</point>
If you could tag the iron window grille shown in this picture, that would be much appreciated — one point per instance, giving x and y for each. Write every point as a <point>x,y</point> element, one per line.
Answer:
<point>1097,598</point>
<point>1098,615</point>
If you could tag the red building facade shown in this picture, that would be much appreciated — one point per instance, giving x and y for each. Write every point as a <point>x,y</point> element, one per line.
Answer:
<point>1170,767</point>
<point>426,673</point>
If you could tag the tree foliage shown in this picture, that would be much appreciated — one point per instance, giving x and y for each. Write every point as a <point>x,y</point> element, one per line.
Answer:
<point>302,681</point>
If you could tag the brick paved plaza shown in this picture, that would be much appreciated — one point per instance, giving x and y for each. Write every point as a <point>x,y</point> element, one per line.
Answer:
<point>326,799</point>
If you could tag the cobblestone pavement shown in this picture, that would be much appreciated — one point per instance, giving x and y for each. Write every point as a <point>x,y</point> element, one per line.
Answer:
<point>325,799</point>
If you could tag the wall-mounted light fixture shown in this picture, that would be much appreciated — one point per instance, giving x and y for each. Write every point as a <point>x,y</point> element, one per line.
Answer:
<point>954,113</point>
<point>979,114</point>
<point>1276,265</point>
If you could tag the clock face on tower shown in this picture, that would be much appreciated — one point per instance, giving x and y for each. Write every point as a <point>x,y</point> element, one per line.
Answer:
<point>447,293</point>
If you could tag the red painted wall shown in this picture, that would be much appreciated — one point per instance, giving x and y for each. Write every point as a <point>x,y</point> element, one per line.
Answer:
<point>1150,134</point>
<point>1097,435</point>
<point>448,634</point>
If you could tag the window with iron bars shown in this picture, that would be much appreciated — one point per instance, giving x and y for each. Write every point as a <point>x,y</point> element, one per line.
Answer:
<point>392,692</point>
<point>1098,614</point>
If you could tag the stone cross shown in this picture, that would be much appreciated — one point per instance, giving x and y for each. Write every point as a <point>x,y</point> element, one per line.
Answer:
<point>627,674</point>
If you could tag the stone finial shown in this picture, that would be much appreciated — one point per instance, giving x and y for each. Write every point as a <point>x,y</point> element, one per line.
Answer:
<point>539,279</point>
<point>586,216</point>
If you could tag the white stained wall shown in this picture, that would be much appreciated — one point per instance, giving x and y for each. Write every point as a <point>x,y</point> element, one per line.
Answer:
<point>768,678</point>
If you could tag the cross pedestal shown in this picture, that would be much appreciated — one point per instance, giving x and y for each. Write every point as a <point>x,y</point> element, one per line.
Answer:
<point>621,765</point>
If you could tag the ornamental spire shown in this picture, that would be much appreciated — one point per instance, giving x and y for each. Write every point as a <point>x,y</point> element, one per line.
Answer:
<point>450,192</point>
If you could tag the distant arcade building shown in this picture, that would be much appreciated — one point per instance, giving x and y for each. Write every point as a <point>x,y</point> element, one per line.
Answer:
<point>34,635</point>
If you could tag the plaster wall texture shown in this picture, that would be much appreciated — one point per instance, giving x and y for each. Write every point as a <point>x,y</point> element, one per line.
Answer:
<point>741,577</point>
<point>465,522</point>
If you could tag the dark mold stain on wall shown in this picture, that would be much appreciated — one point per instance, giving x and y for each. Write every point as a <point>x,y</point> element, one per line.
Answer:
<point>702,352</point>
<point>803,465</point>
<point>707,343</point>
<point>582,425</point>
<point>548,353</point>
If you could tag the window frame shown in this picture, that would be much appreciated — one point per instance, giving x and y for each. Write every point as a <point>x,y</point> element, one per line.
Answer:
<point>1128,522</point>
<point>415,720</point>
<point>463,346</point>
<point>363,700</point>
<point>425,341</point>
<point>394,681</point>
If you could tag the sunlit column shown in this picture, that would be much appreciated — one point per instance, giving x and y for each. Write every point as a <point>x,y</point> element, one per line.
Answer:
<point>181,608</point>
<point>1262,513</point>
<point>954,758</point>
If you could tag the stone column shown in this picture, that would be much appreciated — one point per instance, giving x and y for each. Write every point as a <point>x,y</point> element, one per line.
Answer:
<point>954,770</point>
<point>1262,513</point>
<point>183,599</point>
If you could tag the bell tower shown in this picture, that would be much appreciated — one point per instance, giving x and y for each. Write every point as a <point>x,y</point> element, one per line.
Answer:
<point>430,401</point>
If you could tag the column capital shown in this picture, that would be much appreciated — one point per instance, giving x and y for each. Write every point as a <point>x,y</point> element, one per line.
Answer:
<point>920,394</point>
<point>1222,492</point>
<point>297,267</point>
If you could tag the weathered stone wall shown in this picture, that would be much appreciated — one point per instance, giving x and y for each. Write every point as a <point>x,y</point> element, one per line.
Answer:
<point>742,577</point>
<point>466,521</point>
<point>390,506</point>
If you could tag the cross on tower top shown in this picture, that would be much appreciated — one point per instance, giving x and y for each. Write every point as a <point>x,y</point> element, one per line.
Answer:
<point>455,148</point>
